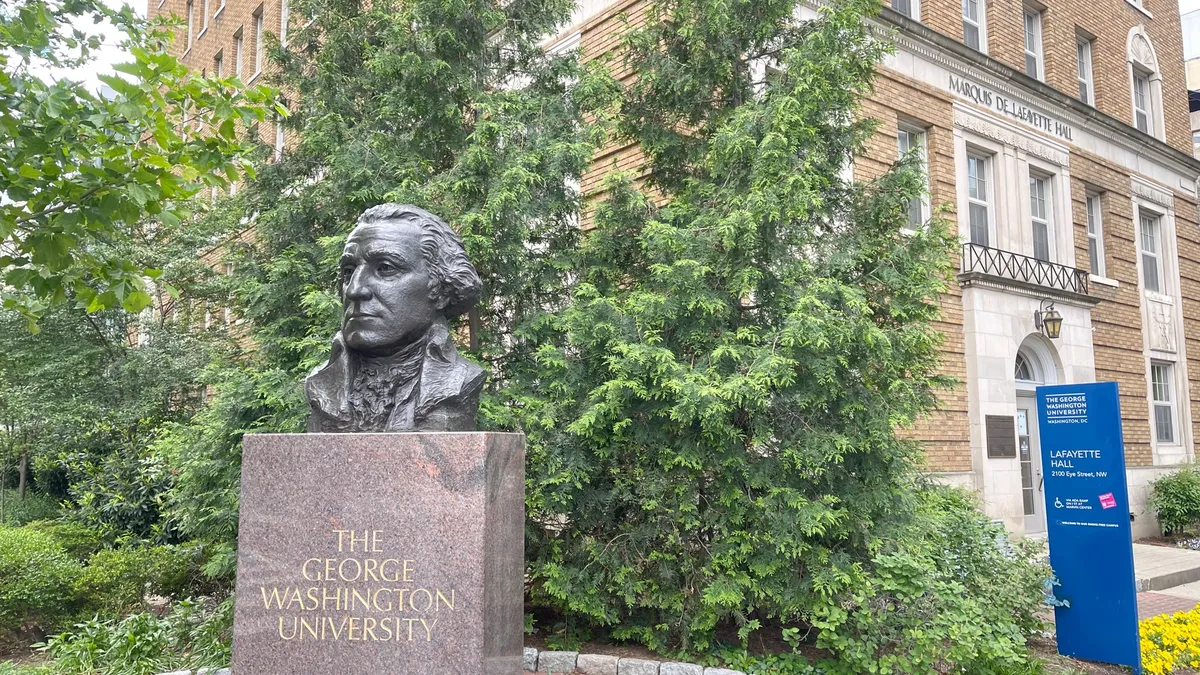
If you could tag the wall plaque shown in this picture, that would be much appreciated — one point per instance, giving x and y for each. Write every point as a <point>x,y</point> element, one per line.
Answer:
<point>1001,437</point>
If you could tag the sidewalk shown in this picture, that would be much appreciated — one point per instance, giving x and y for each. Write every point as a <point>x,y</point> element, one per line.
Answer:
<point>1161,567</point>
<point>1168,579</point>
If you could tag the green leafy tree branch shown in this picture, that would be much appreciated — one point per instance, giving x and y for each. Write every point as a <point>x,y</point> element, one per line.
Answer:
<point>81,172</point>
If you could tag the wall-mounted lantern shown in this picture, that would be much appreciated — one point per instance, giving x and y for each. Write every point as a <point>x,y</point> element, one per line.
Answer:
<point>1048,320</point>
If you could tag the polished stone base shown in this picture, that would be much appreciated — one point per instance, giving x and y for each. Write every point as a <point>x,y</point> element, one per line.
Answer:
<point>380,553</point>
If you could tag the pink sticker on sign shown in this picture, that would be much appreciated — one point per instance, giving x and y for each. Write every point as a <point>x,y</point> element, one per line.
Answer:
<point>1108,501</point>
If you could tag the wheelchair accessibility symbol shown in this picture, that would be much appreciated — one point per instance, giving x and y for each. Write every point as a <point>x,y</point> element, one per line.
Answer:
<point>1058,503</point>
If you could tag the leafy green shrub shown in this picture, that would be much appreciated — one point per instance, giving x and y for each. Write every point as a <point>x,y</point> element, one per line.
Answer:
<point>1175,499</point>
<point>33,507</point>
<point>953,594</point>
<point>116,580</point>
<point>189,637</point>
<point>37,578</point>
<point>79,541</point>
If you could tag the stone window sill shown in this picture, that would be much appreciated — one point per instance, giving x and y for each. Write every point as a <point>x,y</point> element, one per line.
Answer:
<point>1104,281</point>
<point>218,13</point>
<point>1138,7</point>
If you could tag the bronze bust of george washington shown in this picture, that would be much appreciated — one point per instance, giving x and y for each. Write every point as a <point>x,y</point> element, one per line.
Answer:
<point>403,275</point>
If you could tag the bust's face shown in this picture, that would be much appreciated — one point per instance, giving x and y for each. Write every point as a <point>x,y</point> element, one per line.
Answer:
<point>385,288</point>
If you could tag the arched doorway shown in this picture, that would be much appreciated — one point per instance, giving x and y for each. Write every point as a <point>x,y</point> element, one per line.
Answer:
<point>1036,364</point>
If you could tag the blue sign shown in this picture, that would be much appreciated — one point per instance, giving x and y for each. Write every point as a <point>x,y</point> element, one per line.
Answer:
<point>1087,521</point>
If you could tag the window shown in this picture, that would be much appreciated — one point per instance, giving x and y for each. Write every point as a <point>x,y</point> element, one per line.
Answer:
<point>1039,215</point>
<point>283,22</point>
<point>909,8</point>
<point>258,42</point>
<point>973,25</point>
<point>191,21</point>
<point>238,44</point>
<point>977,198</point>
<point>1151,260</point>
<point>1083,57</point>
<point>1164,404</point>
<point>1023,370</point>
<point>219,64</point>
<point>204,19</point>
<point>1095,231</point>
<point>909,139</point>
<point>1141,102</point>
<point>1145,82</point>
<point>1033,43</point>
<point>279,141</point>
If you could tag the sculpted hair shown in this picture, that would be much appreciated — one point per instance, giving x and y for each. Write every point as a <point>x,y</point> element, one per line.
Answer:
<point>453,282</point>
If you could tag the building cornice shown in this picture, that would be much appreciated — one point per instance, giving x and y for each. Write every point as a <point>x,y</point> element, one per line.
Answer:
<point>917,38</point>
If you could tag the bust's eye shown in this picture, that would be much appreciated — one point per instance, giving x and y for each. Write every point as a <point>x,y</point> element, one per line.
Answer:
<point>347,270</point>
<point>386,268</point>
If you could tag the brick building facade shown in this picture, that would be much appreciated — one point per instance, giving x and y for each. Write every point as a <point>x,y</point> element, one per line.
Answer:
<point>1057,136</point>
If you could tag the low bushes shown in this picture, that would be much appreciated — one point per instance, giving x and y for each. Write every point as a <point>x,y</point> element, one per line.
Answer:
<point>1175,499</point>
<point>190,637</point>
<point>1171,643</point>
<point>52,574</point>
<point>37,580</point>
<point>18,512</point>
<point>953,595</point>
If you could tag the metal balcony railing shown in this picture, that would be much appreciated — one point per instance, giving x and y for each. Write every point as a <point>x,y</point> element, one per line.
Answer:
<point>1008,265</point>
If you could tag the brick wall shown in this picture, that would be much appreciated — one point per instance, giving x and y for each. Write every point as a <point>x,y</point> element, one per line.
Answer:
<point>226,18</point>
<point>1109,21</point>
<point>1117,339</point>
<point>896,98</point>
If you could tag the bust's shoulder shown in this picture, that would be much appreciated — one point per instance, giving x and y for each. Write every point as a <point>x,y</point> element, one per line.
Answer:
<point>472,374</point>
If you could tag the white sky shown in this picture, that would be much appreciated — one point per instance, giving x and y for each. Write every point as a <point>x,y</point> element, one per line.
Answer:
<point>111,54</point>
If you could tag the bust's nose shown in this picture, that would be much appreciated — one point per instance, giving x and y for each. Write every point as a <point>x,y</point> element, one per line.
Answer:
<point>356,288</point>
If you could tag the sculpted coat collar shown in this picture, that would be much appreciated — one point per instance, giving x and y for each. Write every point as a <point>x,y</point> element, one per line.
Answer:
<point>447,390</point>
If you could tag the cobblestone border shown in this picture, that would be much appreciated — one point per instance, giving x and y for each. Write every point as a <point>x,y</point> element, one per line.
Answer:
<point>560,663</point>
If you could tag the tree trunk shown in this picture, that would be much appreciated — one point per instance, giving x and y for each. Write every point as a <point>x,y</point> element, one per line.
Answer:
<point>22,474</point>
<point>474,327</point>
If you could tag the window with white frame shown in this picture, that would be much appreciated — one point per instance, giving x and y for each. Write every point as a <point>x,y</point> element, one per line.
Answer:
<point>279,138</point>
<point>909,8</point>
<point>1151,251</point>
<point>978,206</point>
<point>204,19</point>
<point>1083,58</point>
<point>973,24</point>
<point>911,138</point>
<point>219,64</point>
<point>1142,117</point>
<point>258,42</point>
<point>1145,82</point>
<point>191,22</point>
<point>1033,43</point>
<point>1095,232</point>
<point>1161,379</point>
<point>1039,215</point>
<point>238,48</point>
<point>284,16</point>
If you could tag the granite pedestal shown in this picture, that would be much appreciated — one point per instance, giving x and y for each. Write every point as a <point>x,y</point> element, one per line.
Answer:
<point>380,553</point>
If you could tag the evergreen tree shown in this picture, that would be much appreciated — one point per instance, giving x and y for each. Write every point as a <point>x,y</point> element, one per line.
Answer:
<point>714,424</point>
<point>452,106</point>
